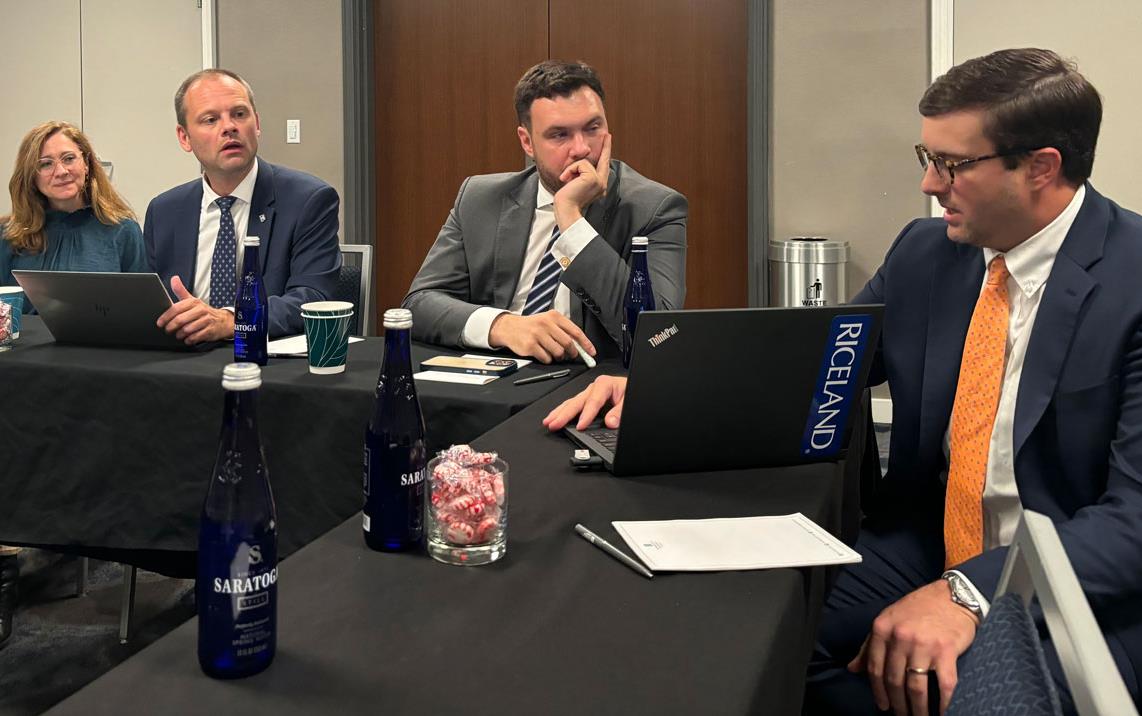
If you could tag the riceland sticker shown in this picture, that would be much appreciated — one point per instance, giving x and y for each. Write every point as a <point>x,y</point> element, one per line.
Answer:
<point>836,381</point>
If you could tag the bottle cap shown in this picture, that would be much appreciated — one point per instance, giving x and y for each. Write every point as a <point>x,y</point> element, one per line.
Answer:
<point>251,241</point>
<point>398,318</point>
<point>639,241</point>
<point>242,376</point>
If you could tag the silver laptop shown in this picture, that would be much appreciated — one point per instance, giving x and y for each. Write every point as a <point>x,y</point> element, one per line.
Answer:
<point>95,308</point>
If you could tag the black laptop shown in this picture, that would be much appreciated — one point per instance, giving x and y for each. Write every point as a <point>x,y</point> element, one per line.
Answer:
<point>98,308</point>
<point>734,388</point>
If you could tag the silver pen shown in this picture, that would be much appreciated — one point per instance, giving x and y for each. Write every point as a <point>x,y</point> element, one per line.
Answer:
<point>610,549</point>
<point>543,376</point>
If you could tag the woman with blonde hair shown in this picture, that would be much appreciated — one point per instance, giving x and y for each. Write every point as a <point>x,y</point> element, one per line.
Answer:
<point>66,216</point>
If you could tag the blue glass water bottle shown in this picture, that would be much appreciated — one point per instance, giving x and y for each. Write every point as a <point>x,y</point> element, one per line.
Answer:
<point>251,309</point>
<point>395,453</point>
<point>639,297</point>
<point>236,589</point>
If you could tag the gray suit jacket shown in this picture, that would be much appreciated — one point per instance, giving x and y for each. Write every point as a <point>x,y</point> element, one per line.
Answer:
<point>478,254</point>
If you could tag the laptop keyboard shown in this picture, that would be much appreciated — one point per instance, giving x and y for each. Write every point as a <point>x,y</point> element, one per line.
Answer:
<point>606,437</point>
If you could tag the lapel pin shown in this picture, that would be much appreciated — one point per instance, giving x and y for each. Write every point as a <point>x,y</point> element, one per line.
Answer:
<point>262,218</point>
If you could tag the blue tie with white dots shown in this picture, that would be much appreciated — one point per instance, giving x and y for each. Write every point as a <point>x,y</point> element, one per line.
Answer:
<point>223,264</point>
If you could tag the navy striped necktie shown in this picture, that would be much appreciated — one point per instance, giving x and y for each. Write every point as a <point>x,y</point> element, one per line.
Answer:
<point>542,295</point>
<point>224,262</point>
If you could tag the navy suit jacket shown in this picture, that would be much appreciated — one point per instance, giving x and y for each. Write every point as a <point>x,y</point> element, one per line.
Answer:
<point>294,214</point>
<point>1078,416</point>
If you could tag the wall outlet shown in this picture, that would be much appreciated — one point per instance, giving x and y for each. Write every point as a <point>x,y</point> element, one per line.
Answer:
<point>293,131</point>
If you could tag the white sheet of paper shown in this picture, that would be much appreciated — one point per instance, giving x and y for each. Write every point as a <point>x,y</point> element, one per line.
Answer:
<point>733,543</point>
<point>444,376</point>
<point>294,346</point>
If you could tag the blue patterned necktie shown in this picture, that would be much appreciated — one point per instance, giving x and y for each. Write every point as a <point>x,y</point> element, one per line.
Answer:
<point>223,265</point>
<point>542,295</point>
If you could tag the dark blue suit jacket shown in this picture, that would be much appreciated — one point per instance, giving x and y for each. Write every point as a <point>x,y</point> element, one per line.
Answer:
<point>294,214</point>
<point>1078,416</point>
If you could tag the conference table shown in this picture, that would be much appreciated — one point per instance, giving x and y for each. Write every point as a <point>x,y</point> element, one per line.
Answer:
<point>555,627</point>
<point>107,452</point>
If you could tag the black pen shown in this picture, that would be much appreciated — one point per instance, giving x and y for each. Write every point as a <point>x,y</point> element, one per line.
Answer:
<point>611,550</point>
<point>545,376</point>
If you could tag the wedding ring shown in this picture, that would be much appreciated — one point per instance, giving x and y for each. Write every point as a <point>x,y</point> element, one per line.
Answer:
<point>917,670</point>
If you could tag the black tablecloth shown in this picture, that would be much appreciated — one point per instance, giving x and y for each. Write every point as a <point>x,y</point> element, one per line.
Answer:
<point>113,448</point>
<point>555,627</point>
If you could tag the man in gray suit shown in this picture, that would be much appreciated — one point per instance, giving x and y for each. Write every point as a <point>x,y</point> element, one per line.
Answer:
<point>536,261</point>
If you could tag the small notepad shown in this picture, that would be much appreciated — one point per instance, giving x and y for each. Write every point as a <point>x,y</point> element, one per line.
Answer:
<point>443,376</point>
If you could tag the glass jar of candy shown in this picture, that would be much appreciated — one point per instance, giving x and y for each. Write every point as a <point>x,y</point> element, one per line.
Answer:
<point>467,520</point>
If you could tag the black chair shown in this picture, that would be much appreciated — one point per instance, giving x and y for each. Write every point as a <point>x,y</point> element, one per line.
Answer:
<point>1004,671</point>
<point>354,284</point>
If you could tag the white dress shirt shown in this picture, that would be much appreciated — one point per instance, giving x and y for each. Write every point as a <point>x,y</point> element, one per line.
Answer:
<point>1030,264</point>
<point>208,220</point>
<point>566,248</point>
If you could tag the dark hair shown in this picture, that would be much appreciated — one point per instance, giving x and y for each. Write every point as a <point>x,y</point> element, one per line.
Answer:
<point>1032,99</point>
<point>180,95</point>
<point>549,79</point>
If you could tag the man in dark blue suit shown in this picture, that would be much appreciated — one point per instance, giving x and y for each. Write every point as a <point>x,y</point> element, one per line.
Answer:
<point>1012,344</point>
<point>1008,143</point>
<point>193,233</point>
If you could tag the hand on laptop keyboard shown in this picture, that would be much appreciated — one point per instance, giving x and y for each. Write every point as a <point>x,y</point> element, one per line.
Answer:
<point>193,321</point>
<point>588,403</point>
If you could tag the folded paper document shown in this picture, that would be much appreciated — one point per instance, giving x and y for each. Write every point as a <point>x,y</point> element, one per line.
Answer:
<point>295,346</point>
<point>733,543</point>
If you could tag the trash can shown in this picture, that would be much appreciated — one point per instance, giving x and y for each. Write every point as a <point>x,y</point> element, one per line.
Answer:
<point>807,271</point>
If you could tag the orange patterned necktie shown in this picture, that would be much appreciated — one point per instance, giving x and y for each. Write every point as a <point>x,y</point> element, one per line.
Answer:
<point>973,417</point>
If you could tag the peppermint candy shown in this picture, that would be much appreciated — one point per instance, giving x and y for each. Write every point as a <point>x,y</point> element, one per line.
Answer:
<point>5,321</point>
<point>467,495</point>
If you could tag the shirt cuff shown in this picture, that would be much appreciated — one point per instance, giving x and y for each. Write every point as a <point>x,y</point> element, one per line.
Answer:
<point>572,241</point>
<point>478,328</point>
<point>984,604</point>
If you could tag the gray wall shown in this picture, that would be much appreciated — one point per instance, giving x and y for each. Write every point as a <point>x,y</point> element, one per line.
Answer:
<point>1102,37</point>
<point>68,60</point>
<point>846,80</point>
<point>58,69</point>
<point>132,122</point>
<point>290,53</point>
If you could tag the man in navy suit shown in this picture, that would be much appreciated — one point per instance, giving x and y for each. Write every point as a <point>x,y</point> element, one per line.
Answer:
<point>193,233</point>
<point>1008,144</point>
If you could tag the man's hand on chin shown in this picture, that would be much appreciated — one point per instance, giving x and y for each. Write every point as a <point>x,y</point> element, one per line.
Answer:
<point>544,336</point>
<point>925,631</point>
<point>192,321</point>
<point>583,183</point>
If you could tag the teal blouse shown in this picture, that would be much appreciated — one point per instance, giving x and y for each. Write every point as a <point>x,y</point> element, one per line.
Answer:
<point>79,242</point>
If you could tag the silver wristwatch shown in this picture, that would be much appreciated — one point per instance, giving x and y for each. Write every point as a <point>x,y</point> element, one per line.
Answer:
<point>962,594</point>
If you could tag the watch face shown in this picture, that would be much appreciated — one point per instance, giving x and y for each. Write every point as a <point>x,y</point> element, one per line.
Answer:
<point>961,593</point>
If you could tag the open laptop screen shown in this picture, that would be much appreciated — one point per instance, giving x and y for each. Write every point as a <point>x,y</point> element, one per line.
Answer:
<point>97,308</point>
<point>734,388</point>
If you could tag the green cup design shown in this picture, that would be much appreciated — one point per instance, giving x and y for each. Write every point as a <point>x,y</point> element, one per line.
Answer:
<point>327,338</point>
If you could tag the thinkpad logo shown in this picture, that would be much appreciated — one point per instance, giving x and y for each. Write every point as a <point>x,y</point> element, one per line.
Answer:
<point>658,338</point>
